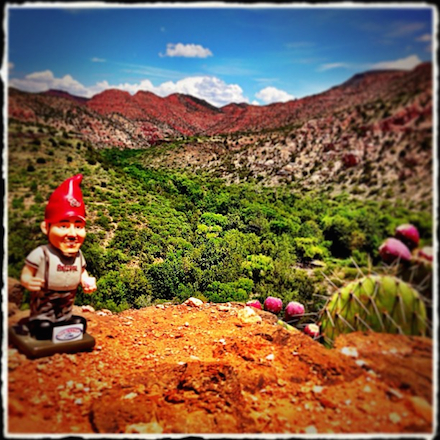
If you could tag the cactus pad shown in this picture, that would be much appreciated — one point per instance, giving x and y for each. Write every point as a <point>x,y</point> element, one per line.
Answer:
<point>382,304</point>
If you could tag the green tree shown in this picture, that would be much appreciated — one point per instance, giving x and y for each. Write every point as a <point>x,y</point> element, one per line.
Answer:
<point>338,230</point>
<point>257,267</point>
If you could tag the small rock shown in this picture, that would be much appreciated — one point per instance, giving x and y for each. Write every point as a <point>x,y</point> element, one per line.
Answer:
<point>193,302</point>
<point>394,393</point>
<point>223,308</point>
<point>15,291</point>
<point>311,430</point>
<point>327,402</point>
<point>395,418</point>
<point>72,358</point>
<point>349,351</point>
<point>422,408</point>
<point>247,315</point>
<point>12,309</point>
<point>144,428</point>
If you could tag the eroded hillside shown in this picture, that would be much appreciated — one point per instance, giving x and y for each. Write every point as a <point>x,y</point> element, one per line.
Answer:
<point>371,136</point>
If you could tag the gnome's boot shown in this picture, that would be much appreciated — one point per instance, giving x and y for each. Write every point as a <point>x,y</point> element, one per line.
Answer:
<point>41,329</point>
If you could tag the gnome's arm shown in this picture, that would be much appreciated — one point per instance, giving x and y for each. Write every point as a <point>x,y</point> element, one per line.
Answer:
<point>29,280</point>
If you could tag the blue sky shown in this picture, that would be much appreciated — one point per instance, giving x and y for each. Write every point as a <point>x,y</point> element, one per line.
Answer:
<point>257,54</point>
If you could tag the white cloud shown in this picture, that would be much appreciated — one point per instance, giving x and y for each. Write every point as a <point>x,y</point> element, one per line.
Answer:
<point>45,80</point>
<point>98,60</point>
<point>187,51</point>
<point>330,66</point>
<point>425,38</point>
<point>211,89</point>
<point>400,29</point>
<point>407,63</point>
<point>271,94</point>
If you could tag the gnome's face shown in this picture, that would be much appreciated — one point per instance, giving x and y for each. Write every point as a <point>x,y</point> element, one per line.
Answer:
<point>64,219</point>
<point>67,235</point>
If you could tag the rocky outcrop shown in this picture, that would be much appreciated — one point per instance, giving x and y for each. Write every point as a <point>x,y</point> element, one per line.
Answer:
<point>207,368</point>
<point>15,291</point>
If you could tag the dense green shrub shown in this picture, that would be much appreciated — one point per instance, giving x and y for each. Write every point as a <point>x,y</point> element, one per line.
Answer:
<point>338,230</point>
<point>166,278</point>
<point>309,248</point>
<point>234,291</point>
<point>257,267</point>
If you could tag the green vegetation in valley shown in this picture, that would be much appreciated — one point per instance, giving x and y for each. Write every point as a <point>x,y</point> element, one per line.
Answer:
<point>158,235</point>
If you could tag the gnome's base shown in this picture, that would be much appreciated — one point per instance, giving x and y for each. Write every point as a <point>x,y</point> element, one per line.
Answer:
<point>34,348</point>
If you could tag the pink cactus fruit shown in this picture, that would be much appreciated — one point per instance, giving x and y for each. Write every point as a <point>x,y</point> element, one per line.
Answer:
<point>425,253</point>
<point>272,304</point>
<point>254,303</point>
<point>311,330</point>
<point>293,310</point>
<point>408,234</point>
<point>393,249</point>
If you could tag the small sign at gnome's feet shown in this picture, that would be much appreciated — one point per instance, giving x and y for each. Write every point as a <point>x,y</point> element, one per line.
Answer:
<point>66,333</point>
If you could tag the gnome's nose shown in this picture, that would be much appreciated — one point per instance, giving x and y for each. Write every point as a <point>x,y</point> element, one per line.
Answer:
<point>71,232</point>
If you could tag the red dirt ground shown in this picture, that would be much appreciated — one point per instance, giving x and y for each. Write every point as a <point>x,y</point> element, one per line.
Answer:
<point>220,368</point>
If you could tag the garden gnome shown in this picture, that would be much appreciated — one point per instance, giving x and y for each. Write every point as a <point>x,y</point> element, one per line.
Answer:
<point>53,272</point>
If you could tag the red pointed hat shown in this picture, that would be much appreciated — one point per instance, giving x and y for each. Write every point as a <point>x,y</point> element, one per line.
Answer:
<point>66,201</point>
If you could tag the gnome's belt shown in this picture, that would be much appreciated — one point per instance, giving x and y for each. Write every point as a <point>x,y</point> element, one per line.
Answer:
<point>44,293</point>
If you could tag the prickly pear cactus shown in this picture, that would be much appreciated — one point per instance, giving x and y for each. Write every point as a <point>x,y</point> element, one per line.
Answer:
<point>419,273</point>
<point>382,304</point>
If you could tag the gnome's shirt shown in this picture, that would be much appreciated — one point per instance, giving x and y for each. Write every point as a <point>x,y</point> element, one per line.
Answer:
<point>62,276</point>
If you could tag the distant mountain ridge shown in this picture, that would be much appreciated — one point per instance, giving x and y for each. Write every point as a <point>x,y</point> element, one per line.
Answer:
<point>115,118</point>
<point>63,94</point>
